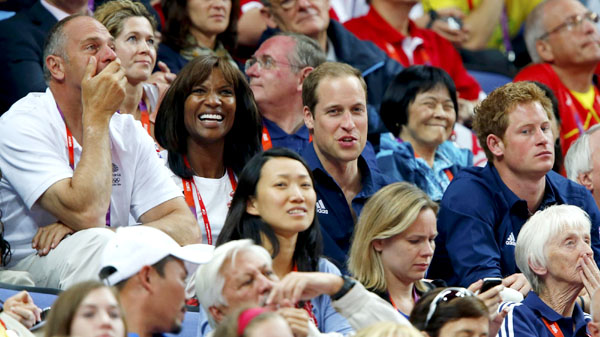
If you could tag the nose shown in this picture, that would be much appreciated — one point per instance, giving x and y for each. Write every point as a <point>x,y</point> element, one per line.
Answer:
<point>587,250</point>
<point>347,121</point>
<point>213,99</point>
<point>303,3</point>
<point>542,137</point>
<point>296,194</point>
<point>428,248</point>
<point>104,318</point>
<point>253,70</point>
<point>106,55</point>
<point>264,284</point>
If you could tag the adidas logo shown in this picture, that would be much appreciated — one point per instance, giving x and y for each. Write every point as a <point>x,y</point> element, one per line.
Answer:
<point>321,207</point>
<point>511,240</point>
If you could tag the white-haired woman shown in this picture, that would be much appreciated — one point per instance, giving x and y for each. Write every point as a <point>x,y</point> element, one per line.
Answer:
<point>553,252</point>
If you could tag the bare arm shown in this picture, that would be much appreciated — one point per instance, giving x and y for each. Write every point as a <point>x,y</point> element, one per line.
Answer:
<point>174,218</point>
<point>481,22</point>
<point>251,25</point>
<point>82,201</point>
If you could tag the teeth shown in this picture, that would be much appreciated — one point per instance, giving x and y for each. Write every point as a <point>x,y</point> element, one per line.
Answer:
<point>296,211</point>
<point>215,117</point>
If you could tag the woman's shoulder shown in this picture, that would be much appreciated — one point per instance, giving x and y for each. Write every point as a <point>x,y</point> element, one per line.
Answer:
<point>326,266</point>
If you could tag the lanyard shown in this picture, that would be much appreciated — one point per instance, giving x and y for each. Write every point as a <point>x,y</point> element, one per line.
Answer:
<point>266,138</point>
<point>145,117</point>
<point>554,329</point>
<point>188,185</point>
<point>307,305</point>
<point>415,298</point>
<point>71,147</point>
<point>447,171</point>
<point>510,54</point>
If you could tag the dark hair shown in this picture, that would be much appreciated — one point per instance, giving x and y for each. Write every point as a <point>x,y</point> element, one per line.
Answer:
<point>239,224</point>
<point>55,43</point>
<point>178,23</point>
<point>66,305</point>
<point>405,87</point>
<point>446,312</point>
<point>242,141</point>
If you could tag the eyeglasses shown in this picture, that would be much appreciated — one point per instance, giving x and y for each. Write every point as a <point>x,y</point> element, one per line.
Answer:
<point>572,23</point>
<point>446,295</point>
<point>265,62</point>
<point>289,4</point>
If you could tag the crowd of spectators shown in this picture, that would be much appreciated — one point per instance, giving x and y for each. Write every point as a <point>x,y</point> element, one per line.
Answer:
<point>301,167</point>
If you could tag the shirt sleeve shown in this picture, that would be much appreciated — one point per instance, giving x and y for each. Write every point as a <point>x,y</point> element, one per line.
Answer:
<point>329,320</point>
<point>518,322</point>
<point>32,156</point>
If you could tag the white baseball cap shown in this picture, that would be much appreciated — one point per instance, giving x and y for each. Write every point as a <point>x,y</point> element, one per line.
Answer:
<point>134,247</point>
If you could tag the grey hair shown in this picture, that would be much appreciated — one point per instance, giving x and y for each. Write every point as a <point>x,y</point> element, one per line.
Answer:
<point>210,281</point>
<point>535,234</point>
<point>307,52</point>
<point>534,28</point>
<point>55,43</point>
<point>579,157</point>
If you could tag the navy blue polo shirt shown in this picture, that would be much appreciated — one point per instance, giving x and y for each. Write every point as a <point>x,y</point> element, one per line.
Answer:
<point>279,138</point>
<point>480,218</point>
<point>525,319</point>
<point>335,218</point>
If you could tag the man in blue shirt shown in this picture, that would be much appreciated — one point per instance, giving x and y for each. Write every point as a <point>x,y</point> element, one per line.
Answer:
<point>335,113</point>
<point>484,209</point>
<point>276,71</point>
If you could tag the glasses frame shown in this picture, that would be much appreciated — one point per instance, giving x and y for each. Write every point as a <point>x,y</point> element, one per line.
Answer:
<point>572,22</point>
<point>261,61</point>
<point>456,292</point>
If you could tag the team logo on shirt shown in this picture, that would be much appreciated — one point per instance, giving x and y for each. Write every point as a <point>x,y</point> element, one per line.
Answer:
<point>321,207</point>
<point>116,178</point>
<point>511,240</point>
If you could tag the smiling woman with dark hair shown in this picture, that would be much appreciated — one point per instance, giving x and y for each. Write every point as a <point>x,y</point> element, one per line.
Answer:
<point>274,205</point>
<point>420,108</point>
<point>209,124</point>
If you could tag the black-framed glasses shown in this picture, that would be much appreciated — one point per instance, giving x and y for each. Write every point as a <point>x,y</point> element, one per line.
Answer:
<point>265,62</point>
<point>446,295</point>
<point>572,23</point>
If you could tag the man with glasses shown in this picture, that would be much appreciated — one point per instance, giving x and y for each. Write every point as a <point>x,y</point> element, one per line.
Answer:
<point>562,37</point>
<point>311,18</point>
<point>276,71</point>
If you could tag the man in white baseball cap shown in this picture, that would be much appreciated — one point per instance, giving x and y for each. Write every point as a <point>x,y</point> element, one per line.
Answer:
<point>149,269</point>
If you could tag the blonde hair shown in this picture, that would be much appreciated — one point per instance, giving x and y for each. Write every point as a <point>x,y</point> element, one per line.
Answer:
<point>388,329</point>
<point>113,14</point>
<point>389,212</point>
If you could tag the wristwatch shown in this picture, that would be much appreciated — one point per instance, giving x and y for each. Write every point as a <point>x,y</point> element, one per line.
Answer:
<point>348,284</point>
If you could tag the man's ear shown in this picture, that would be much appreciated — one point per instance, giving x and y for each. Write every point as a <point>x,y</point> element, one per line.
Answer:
<point>303,73</point>
<point>585,179</point>
<point>309,120</point>
<point>55,65</point>
<point>495,144</point>
<point>544,50</point>
<point>144,277</point>
<point>267,14</point>
<point>217,314</point>
<point>252,207</point>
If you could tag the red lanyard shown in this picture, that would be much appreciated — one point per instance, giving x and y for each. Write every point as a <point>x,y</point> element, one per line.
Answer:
<point>145,117</point>
<point>71,147</point>
<point>554,329</point>
<point>307,305</point>
<point>415,298</point>
<point>189,198</point>
<point>266,139</point>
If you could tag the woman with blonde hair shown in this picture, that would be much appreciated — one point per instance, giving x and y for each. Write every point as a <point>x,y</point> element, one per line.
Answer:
<point>87,309</point>
<point>393,244</point>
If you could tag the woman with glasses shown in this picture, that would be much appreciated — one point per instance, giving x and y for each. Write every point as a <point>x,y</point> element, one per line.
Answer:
<point>196,28</point>
<point>449,312</point>
<point>393,244</point>
<point>553,252</point>
<point>209,125</point>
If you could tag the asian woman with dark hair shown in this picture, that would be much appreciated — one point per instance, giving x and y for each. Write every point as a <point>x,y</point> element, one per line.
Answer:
<point>274,205</point>
<point>209,124</point>
<point>420,108</point>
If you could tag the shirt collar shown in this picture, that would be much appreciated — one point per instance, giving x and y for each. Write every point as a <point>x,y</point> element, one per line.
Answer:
<point>383,28</point>
<point>536,304</point>
<point>58,13</point>
<point>369,187</point>
<point>277,133</point>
